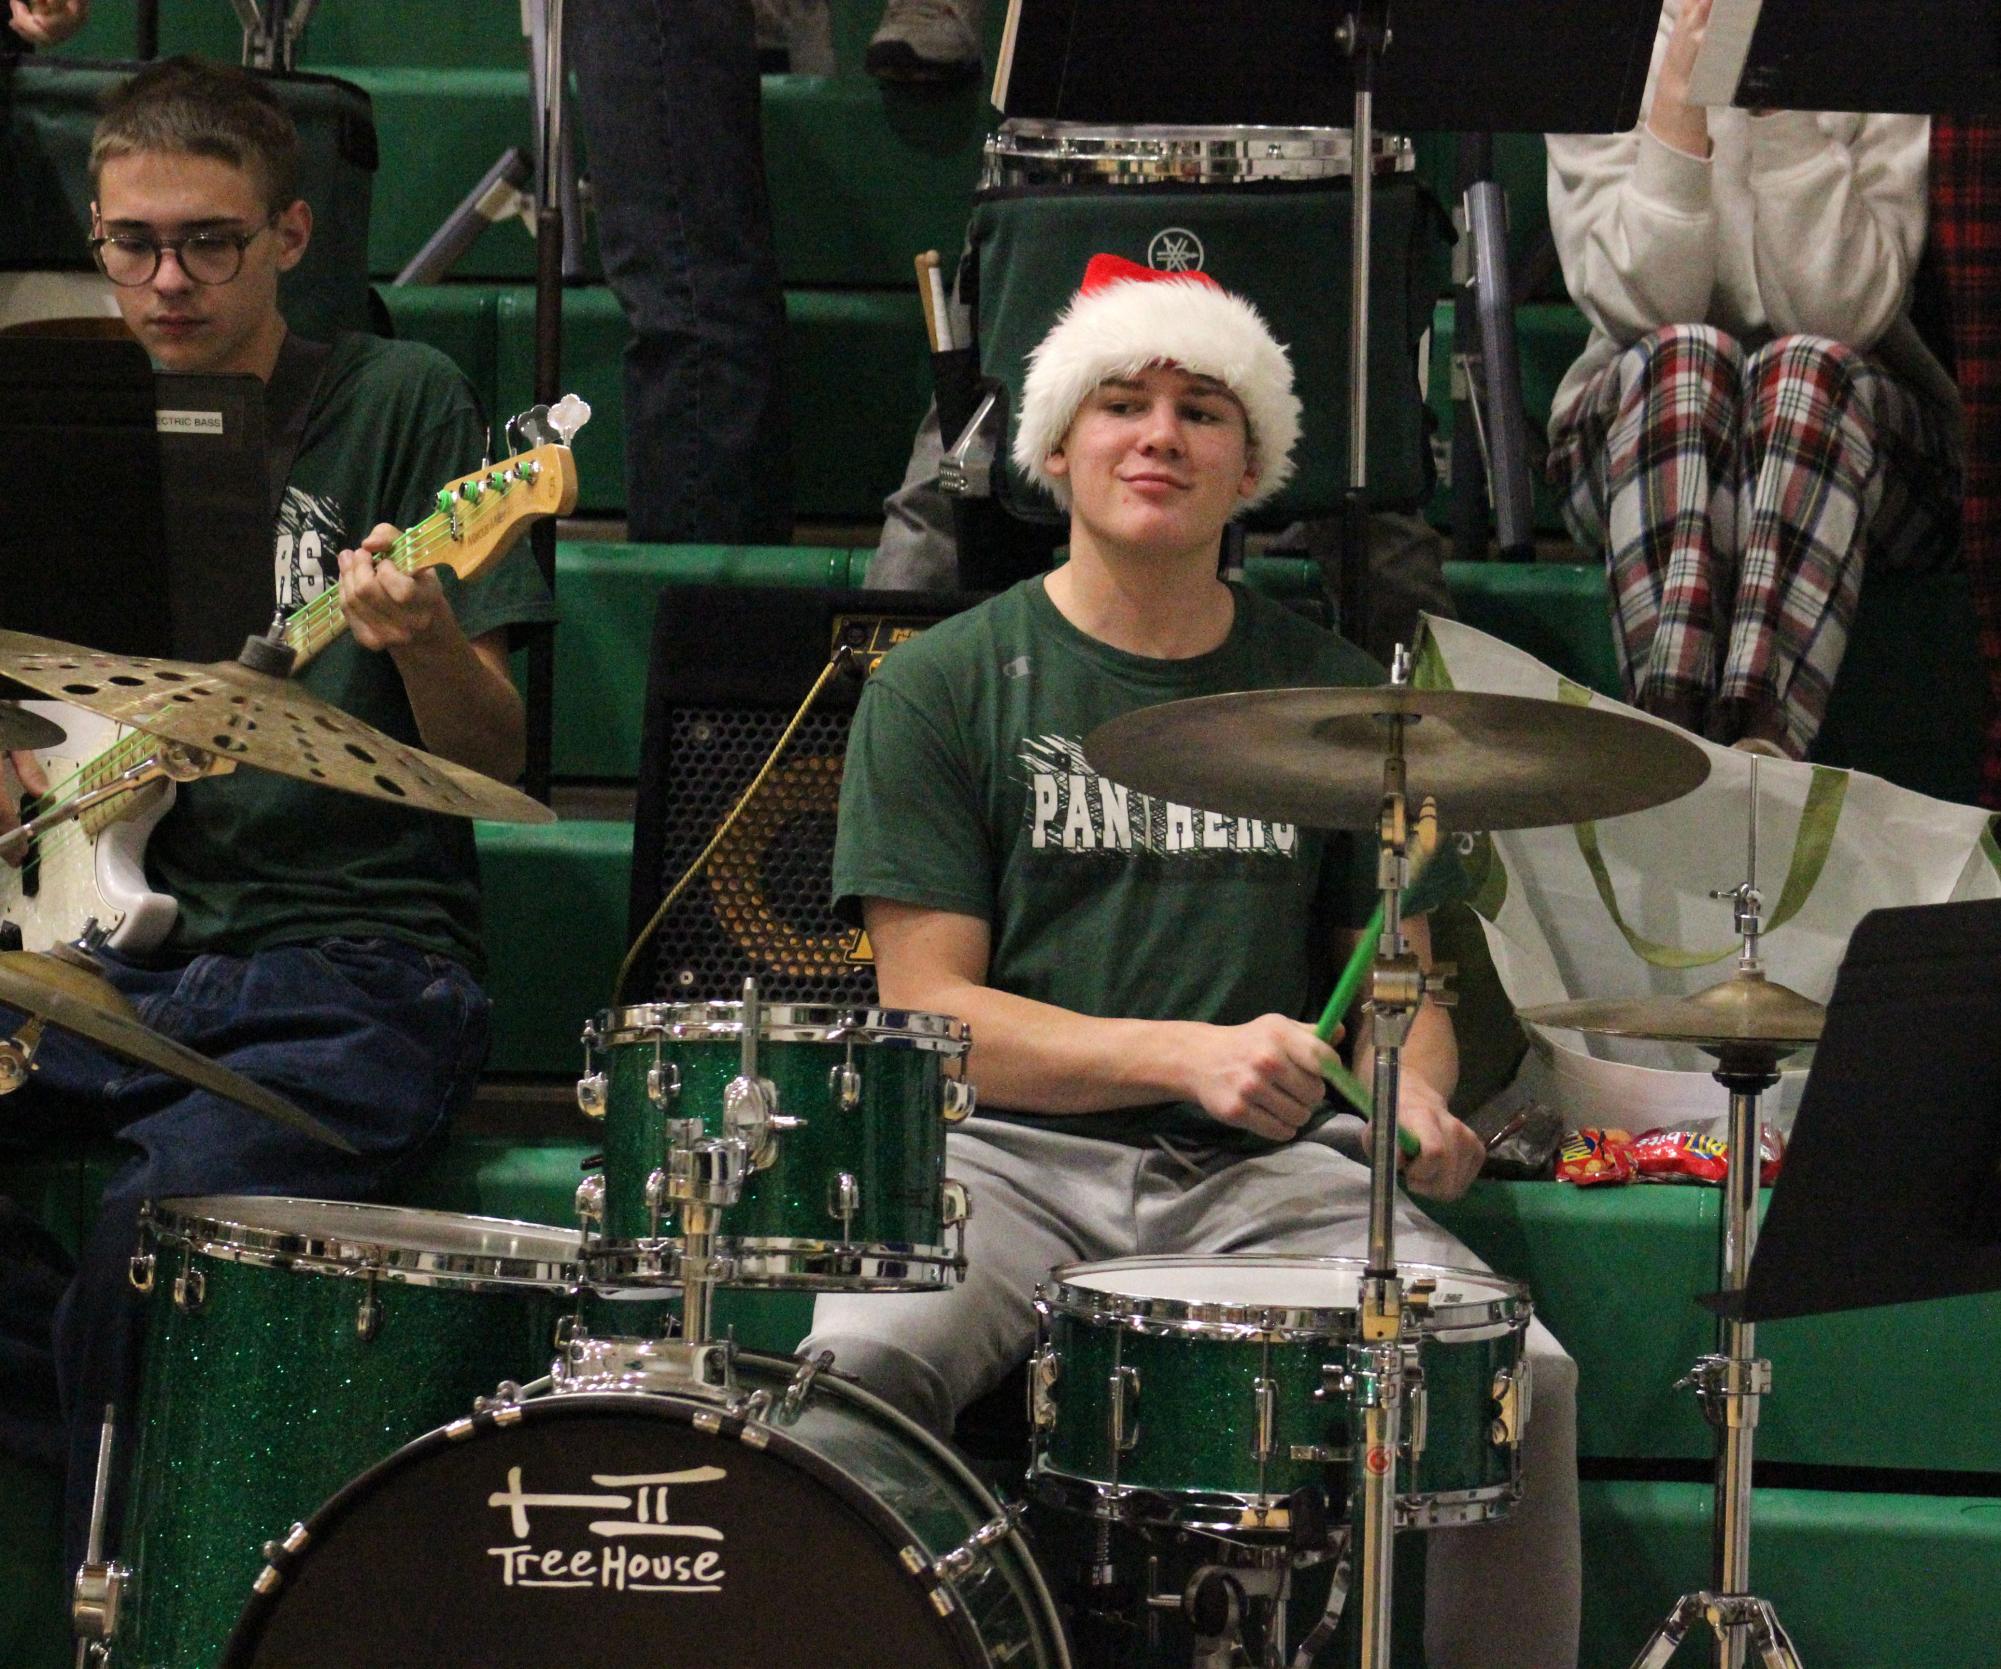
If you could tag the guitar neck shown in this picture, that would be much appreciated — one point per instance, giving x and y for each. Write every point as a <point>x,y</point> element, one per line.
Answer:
<point>311,627</point>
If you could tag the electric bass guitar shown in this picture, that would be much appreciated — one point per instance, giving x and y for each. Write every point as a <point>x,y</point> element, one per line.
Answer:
<point>85,880</point>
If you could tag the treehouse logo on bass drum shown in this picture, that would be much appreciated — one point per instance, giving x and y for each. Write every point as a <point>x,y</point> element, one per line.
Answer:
<point>628,1556</point>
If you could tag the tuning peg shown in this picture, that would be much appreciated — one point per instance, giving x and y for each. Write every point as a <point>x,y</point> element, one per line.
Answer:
<point>568,415</point>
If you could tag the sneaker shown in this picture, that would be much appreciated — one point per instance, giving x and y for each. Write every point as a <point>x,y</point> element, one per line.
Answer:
<point>926,40</point>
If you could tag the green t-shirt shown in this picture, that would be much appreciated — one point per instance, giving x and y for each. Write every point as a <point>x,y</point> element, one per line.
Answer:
<point>257,859</point>
<point>966,789</point>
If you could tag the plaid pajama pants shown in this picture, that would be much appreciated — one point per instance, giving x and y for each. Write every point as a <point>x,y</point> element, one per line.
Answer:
<point>1735,496</point>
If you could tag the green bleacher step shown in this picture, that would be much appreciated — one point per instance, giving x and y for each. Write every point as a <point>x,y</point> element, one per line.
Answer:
<point>861,178</point>
<point>1860,1581</point>
<point>555,934</point>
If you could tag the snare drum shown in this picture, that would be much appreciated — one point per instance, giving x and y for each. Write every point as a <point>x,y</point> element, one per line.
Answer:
<point>290,1344</point>
<point>846,1193</point>
<point>1026,153</point>
<point>1204,1391</point>
<point>800,1522</point>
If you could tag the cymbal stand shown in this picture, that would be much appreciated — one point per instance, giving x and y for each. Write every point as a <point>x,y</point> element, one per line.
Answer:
<point>1730,1381</point>
<point>1374,1375</point>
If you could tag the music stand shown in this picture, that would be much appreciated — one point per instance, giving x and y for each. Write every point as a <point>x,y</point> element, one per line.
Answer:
<point>1856,1221</point>
<point>1940,58</point>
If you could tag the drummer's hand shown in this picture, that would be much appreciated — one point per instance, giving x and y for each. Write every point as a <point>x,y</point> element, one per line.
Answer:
<point>385,607</point>
<point>47,22</point>
<point>1451,1154</point>
<point>27,772</point>
<point>1262,1076</point>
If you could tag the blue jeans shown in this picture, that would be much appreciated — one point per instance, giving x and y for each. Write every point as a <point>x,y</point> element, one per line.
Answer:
<point>378,1040</point>
<point>668,100</point>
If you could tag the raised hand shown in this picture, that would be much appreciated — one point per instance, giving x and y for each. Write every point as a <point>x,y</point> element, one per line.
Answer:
<point>1673,120</point>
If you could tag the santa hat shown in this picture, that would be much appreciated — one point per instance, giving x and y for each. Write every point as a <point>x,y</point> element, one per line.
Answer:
<point>1126,317</point>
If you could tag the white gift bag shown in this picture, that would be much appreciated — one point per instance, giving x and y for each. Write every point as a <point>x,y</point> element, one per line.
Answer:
<point>1624,909</point>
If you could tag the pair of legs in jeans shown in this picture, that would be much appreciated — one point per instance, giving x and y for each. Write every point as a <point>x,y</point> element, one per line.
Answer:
<point>1042,1198</point>
<point>378,1040</point>
<point>1737,496</point>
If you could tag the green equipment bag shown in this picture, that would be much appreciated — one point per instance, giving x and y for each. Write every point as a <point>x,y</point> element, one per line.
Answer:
<point>1285,245</point>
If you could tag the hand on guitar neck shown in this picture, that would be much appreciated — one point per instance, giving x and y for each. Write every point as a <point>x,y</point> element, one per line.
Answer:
<point>20,774</point>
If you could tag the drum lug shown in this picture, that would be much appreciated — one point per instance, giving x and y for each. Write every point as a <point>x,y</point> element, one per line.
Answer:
<point>1417,1407</point>
<point>960,1562</point>
<point>140,1270</point>
<point>844,1202</point>
<point>1265,1391</point>
<point>190,1285</point>
<point>590,1200</point>
<point>1045,1367</point>
<point>1511,1405</point>
<point>959,1098</point>
<point>800,1391</point>
<point>368,1313</point>
<point>844,1084</point>
<point>592,1091</point>
<point>663,1081</point>
<point>1122,1413</point>
<point>957,1211</point>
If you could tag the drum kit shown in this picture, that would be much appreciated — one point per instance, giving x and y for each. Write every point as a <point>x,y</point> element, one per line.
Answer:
<point>1236,1420</point>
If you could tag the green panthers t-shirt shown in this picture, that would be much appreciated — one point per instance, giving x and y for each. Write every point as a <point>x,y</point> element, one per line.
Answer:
<point>966,789</point>
<point>257,859</point>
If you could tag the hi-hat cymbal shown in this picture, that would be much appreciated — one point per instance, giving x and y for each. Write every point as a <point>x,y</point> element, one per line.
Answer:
<point>1743,1011</point>
<point>1315,756</point>
<point>79,1001</point>
<point>20,728</point>
<point>274,724</point>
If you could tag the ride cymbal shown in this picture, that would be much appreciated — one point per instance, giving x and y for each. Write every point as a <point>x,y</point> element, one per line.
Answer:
<point>50,989</point>
<point>1315,756</point>
<point>1744,1010</point>
<point>251,718</point>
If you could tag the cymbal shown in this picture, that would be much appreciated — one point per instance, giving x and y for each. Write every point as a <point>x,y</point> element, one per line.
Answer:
<point>1315,756</point>
<point>274,724</point>
<point>81,1002</point>
<point>1744,1010</point>
<point>20,728</point>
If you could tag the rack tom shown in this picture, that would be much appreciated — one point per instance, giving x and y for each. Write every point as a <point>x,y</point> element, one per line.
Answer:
<point>1204,1392</point>
<point>844,1184</point>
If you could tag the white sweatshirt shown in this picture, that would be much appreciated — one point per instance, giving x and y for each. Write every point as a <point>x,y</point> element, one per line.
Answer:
<point>1796,223</point>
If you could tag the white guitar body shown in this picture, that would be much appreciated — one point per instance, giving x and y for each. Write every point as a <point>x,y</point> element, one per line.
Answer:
<point>92,869</point>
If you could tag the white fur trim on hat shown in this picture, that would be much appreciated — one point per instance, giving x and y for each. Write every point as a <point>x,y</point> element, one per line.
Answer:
<point>1119,329</point>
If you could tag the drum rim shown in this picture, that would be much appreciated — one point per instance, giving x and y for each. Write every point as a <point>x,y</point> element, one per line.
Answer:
<point>1222,1512</point>
<point>1507,1311</point>
<point>775,1263</point>
<point>876,1514</point>
<point>703,1022</point>
<point>1026,154</point>
<point>204,1224</point>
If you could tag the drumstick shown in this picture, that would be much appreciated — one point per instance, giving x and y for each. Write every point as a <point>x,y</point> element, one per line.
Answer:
<point>931,291</point>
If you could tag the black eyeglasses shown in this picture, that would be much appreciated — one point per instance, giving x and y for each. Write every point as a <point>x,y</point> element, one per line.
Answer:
<point>206,257</point>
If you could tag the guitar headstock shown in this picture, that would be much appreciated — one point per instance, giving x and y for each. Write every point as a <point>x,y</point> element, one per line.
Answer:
<point>485,513</point>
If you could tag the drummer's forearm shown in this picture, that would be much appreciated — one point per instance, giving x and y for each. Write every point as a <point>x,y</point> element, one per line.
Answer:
<point>1430,1050</point>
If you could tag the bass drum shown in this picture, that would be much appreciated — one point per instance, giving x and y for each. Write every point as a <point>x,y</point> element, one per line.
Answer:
<point>804,1523</point>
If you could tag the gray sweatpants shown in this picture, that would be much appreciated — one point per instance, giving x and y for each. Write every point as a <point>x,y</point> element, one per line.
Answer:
<point>1042,1198</point>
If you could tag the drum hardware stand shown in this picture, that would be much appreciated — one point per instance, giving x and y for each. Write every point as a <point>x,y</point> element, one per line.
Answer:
<point>1730,1382</point>
<point>1374,1376</point>
<point>99,1584</point>
<point>271,31</point>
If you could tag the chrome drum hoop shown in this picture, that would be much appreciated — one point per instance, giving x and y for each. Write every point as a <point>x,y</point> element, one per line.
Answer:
<point>1043,153</point>
<point>381,1242</point>
<point>782,1023</point>
<point>1224,1513</point>
<point>779,1265</point>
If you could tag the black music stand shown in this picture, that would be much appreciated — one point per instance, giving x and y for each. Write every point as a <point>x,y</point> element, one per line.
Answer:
<point>1865,1214</point>
<point>1939,58</point>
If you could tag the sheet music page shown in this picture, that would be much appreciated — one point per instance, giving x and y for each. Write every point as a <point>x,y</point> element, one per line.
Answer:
<point>1719,66</point>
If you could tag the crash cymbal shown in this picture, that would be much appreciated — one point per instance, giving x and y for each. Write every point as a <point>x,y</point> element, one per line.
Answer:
<point>21,729</point>
<point>81,1002</point>
<point>1745,1010</point>
<point>251,718</point>
<point>1315,756</point>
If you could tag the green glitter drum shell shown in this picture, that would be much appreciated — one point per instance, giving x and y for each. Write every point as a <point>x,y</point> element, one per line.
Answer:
<point>1200,1351</point>
<point>890,1141</point>
<point>263,1398</point>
